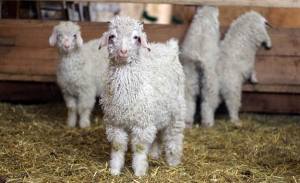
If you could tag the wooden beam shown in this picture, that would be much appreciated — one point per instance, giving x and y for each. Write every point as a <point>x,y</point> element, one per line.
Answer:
<point>0,9</point>
<point>38,9</point>
<point>34,61</point>
<point>277,70</point>
<point>35,33</point>
<point>25,53</point>
<point>49,92</point>
<point>261,88</point>
<point>29,92</point>
<point>270,103</point>
<point>278,17</point>
<point>28,78</point>
<point>258,3</point>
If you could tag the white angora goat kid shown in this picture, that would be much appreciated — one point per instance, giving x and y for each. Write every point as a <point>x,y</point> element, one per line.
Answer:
<point>79,71</point>
<point>236,63</point>
<point>199,55</point>
<point>143,96</point>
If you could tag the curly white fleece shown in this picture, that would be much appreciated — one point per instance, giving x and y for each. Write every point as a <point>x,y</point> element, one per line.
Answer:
<point>199,55</point>
<point>143,97</point>
<point>236,63</point>
<point>79,72</point>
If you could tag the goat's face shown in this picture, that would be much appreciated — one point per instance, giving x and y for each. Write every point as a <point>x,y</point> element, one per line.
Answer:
<point>124,40</point>
<point>65,37</point>
<point>67,42</point>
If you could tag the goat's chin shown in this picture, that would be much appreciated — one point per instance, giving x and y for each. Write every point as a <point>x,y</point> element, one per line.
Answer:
<point>123,58</point>
<point>66,50</point>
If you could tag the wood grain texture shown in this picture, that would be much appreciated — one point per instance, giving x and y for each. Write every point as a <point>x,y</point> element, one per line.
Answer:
<point>25,50</point>
<point>29,92</point>
<point>259,3</point>
<point>32,33</point>
<point>271,103</point>
<point>278,17</point>
<point>261,88</point>
<point>277,70</point>
<point>42,62</point>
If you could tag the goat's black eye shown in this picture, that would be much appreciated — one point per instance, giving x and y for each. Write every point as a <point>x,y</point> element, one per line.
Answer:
<point>74,36</point>
<point>135,37</point>
<point>111,37</point>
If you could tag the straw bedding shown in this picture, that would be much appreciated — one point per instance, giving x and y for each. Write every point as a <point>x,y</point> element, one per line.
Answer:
<point>36,146</point>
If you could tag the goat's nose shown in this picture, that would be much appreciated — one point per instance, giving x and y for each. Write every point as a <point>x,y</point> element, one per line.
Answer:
<point>123,51</point>
<point>67,46</point>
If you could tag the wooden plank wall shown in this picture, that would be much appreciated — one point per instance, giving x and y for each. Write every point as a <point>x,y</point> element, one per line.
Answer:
<point>257,3</point>
<point>25,55</point>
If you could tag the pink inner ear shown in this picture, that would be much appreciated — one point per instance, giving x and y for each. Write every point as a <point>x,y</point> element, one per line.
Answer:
<point>104,41</point>
<point>144,43</point>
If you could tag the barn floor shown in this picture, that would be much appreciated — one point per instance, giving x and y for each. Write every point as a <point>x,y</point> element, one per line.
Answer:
<point>36,146</point>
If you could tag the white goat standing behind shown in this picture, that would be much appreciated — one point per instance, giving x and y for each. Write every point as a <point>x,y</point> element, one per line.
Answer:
<point>199,55</point>
<point>143,96</point>
<point>236,63</point>
<point>79,72</point>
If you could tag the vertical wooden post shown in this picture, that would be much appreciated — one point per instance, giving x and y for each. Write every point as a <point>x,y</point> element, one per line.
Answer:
<point>38,10</point>
<point>0,8</point>
<point>64,10</point>
<point>18,9</point>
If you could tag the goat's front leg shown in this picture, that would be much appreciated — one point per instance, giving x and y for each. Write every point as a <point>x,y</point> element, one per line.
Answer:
<point>142,138</point>
<point>71,103</point>
<point>86,104</point>
<point>118,138</point>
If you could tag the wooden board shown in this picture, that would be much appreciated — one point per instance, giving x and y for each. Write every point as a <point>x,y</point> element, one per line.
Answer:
<point>259,3</point>
<point>30,61</point>
<point>32,92</point>
<point>29,92</point>
<point>25,53</point>
<point>277,70</point>
<point>32,33</point>
<point>278,17</point>
<point>271,102</point>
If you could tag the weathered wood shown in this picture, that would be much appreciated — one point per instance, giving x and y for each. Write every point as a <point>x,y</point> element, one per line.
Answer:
<point>30,61</point>
<point>43,61</point>
<point>278,70</point>
<point>271,103</point>
<point>261,88</point>
<point>278,17</point>
<point>49,92</point>
<point>25,50</point>
<point>0,9</point>
<point>29,92</point>
<point>28,78</point>
<point>259,3</point>
<point>32,33</point>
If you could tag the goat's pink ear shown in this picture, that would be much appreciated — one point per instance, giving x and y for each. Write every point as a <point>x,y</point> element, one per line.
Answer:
<point>52,39</point>
<point>79,40</point>
<point>268,24</point>
<point>144,43</point>
<point>104,41</point>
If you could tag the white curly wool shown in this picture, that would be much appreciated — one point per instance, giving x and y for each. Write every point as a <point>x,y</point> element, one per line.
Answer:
<point>199,55</point>
<point>237,56</point>
<point>79,72</point>
<point>143,96</point>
